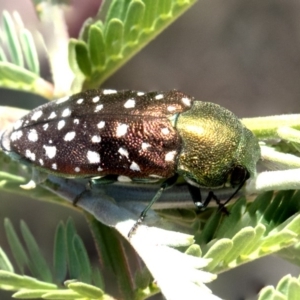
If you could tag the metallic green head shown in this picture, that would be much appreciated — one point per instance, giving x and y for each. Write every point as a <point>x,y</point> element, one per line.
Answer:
<point>218,150</point>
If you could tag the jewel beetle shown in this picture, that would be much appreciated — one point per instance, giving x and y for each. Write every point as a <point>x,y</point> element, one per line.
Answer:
<point>136,136</point>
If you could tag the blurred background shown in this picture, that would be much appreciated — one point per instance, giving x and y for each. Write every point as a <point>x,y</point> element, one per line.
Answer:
<point>243,55</point>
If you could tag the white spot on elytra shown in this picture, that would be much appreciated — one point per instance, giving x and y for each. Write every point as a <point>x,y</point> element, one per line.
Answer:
<point>93,157</point>
<point>30,155</point>
<point>45,126</point>
<point>63,99</point>
<point>99,169</point>
<point>66,112</point>
<point>101,124</point>
<point>96,99</point>
<point>16,135</point>
<point>121,130</point>
<point>134,166</point>
<point>50,141</point>
<point>80,100</point>
<point>159,96</point>
<point>33,135</point>
<point>54,166</point>
<point>76,121</point>
<point>18,124</point>
<point>77,169</point>
<point>171,108</point>
<point>52,115</point>
<point>145,146</point>
<point>50,151</point>
<point>170,156</point>
<point>98,107</point>
<point>69,136</point>
<point>41,162</point>
<point>186,101</point>
<point>96,139</point>
<point>165,130</point>
<point>107,92</point>
<point>123,178</point>
<point>61,124</point>
<point>36,115</point>
<point>129,103</point>
<point>123,152</point>
<point>140,93</point>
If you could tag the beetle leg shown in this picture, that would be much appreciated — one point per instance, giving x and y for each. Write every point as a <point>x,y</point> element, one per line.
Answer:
<point>195,193</point>
<point>197,199</point>
<point>108,179</point>
<point>165,185</point>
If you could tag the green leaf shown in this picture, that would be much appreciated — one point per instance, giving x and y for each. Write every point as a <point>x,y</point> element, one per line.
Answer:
<point>111,249</point>
<point>15,77</point>
<point>260,204</point>
<point>73,265</point>
<point>116,10</point>
<point>269,293</point>
<point>10,72</point>
<point>114,39</point>
<point>83,260</point>
<point>230,225</point>
<point>267,127</point>
<point>240,242</point>
<point>36,256</point>
<point>82,58</point>
<point>30,52</point>
<point>30,294</point>
<point>166,8</point>
<point>86,290</point>
<point>209,230</point>
<point>61,294</point>
<point>217,252</point>
<point>283,284</point>
<point>98,279</point>
<point>15,245</point>
<point>151,14</point>
<point>294,289</point>
<point>5,263</point>
<point>2,55</point>
<point>96,47</point>
<point>143,278</point>
<point>256,241</point>
<point>133,21</point>
<point>14,46</point>
<point>273,242</point>
<point>60,254</point>
<point>72,56</point>
<point>194,250</point>
<point>103,10</point>
<point>18,281</point>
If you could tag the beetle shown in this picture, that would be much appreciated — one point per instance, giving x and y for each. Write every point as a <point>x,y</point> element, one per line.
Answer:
<point>139,137</point>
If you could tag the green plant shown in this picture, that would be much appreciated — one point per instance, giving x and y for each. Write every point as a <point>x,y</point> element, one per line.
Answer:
<point>177,247</point>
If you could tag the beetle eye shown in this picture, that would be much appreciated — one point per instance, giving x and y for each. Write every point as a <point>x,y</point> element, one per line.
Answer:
<point>238,176</point>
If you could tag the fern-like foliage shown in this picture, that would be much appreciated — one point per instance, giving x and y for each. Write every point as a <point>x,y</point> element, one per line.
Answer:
<point>70,258</point>
<point>21,69</point>
<point>251,231</point>
<point>117,33</point>
<point>287,288</point>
